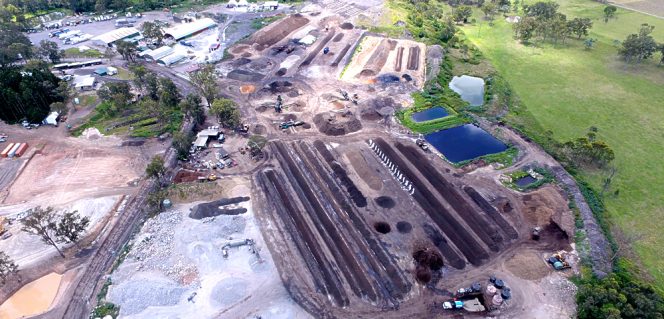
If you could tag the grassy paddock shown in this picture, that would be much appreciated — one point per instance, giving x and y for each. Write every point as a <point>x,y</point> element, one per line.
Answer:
<point>564,89</point>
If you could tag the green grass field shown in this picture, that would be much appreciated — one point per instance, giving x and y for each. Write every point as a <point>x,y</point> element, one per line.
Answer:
<point>567,89</point>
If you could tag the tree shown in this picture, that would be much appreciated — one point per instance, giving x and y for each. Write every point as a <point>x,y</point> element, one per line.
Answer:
<point>41,222</point>
<point>151,85</point>
<point>524,30</point>
<point>462,13</point>
<point>544,10</point>
<point>638,47</point>
<point>118,94</point>
<point>588,151</point>
<point>59,107</point>
<point>128,50</point>
<point>609,12</point>
<point>27,91</point>
<point>191,106</point>
<point>7,267</point>
<point>489,10</point>
<point>589,43</point>
<point>205,81</point>
<point>182,143</point>
<point>169,95</point>
<point>580,26</point>
<point>49,50</point>
<point>139,73</point>
<point>152,31</point>
<point>661,52</point>
<point>156,168</point>
<point>70,227</point>
<point>14,45</point>
<point>226,112</point>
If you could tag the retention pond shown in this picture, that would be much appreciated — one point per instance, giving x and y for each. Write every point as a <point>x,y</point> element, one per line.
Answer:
<point>430,114</point>
<point>465,142</point>
<point>470,88</point>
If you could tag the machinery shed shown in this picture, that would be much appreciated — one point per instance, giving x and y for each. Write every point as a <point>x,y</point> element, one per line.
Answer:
<point>185,30</point>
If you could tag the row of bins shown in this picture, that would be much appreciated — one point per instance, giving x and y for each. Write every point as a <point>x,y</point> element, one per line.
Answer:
<point>14,150</point>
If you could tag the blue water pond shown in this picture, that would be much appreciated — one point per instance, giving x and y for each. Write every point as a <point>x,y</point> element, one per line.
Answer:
<point>430,114</point>
<point>470,88</point>
<point>464,142</point>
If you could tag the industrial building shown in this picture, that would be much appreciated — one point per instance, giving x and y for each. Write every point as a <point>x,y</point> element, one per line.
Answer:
<point>108,38</point>
<point>157,54</point>
<point>171,59</point>
<point>185,30</point>
<point>84,83</point>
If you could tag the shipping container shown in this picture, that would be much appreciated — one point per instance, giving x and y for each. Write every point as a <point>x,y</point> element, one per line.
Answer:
<point>21,150</point>
<point>6,150</point>
<point>13,150</point>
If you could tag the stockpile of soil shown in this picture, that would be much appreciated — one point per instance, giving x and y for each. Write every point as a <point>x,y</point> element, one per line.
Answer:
<point>245,76</point>
<point>413,58</point>
<point>346,26</point>
<point>338,37</point>
<point>277,87</point>
<point>212,209</point>
<point>336,125</point>
<point>385,201</point>
<point>259,129</point>
<point>239,49</point>
<point>382,227</point>
<point>281,72</point>
<point>404,227</point>
<point>527,265</point>
<point>240,62</point>
<point>377,60</point>
<point>273,34</point>
<point>427,260</point>
<point>247,89</point>
<point>290,117</point>
<point>186,176</point>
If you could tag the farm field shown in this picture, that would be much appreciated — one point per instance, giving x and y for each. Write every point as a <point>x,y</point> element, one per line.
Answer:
<point>567,89</point>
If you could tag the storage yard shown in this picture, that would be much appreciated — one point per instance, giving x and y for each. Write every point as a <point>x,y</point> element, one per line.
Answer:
<point>375,224</point>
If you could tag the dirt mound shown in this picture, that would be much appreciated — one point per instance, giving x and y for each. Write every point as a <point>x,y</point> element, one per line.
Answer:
<point>290,117</point>
<point>428,257</point>
<point>186,176</point>
<point>336,125</point>
<point>246,55</point>
<point>245,76</point>
<point>214,208</point>
<point>280,87</point>
<point>385,201</point>
<point>404,227</point>
<point>527,265</point>
<point>281,72</point>
<point>368,114</point>
<point>338,37</point>
<point>423,274</point>
<point>346,26</point>
<point>273,34</point>
<point>382,227</point>
<point>240,62</point>
<point>259,129</point>
<point>247,89</point>
<point>239,49</point>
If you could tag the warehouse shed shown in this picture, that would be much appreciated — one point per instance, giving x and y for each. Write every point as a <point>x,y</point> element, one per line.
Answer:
<point>113,36</point>
<point>159,53</point>
<point>185,30</point>
<point>171,59</point>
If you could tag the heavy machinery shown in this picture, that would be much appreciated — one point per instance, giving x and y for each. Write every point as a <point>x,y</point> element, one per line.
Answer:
<point>209,178</point>
<point>558,261</point>
<point>344,95</point>
<point>422,144</point>
<point>452,304</point>
<point>291,123</point>
<point>278,106</point>
<point>536,233</point>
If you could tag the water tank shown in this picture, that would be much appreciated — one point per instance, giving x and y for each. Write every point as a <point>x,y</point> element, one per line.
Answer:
<point>491,290</point>
<point>506,294</point>
<point>167,203</point>
<point>499,284</point>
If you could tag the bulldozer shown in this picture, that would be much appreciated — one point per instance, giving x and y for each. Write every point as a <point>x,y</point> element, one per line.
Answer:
<point>558,261</point>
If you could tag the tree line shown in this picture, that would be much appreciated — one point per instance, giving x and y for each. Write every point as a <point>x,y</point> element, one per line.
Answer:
<point>543,22</point>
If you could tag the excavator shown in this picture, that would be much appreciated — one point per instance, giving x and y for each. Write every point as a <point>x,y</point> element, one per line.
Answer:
<point>558,261</point>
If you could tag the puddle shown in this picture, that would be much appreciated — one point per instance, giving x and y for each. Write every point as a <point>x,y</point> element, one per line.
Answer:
<point>470,88</point>
<point>525,181</point>
<point>430,114</point>
<point>34,298</point>
<point>465,142</point>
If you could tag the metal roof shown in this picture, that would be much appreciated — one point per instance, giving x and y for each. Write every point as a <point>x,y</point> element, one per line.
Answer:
<point>115,35</point>
<point>82,81</point>
<point>159,52</point>
<point>184,30</point>
<point>171,59</point>
<point>201,141</point>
